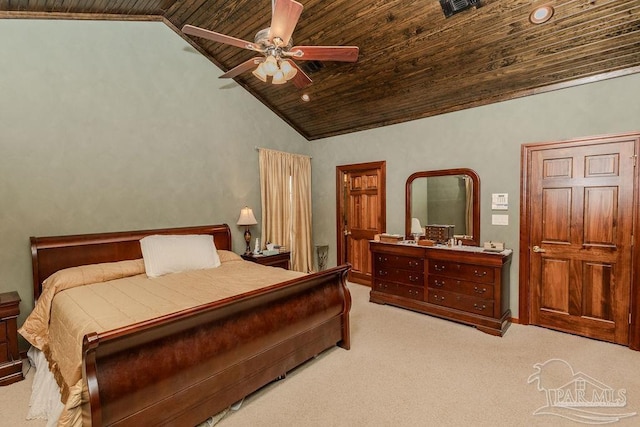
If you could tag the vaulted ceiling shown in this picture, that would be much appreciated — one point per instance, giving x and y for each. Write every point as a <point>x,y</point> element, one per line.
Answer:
<point>413,63</point>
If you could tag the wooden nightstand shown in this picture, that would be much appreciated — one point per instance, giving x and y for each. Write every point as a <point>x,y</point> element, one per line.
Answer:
<point>10,362</point>
<point>279,260</point>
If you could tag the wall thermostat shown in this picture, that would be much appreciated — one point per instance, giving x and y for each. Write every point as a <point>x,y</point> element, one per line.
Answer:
<point>500,201</point>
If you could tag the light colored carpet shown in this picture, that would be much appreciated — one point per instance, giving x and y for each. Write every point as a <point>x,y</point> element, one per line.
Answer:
<point>409,369</point>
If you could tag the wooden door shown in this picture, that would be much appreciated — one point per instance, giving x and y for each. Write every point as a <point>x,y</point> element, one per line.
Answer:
<point>580,236</point>
<point>361,215</point>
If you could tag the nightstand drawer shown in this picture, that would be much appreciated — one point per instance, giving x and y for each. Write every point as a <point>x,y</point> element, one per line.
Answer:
<point>3,332</point>
<point>280,260</point>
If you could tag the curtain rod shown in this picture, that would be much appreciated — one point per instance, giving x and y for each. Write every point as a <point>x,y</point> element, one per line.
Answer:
<point>270,149</point>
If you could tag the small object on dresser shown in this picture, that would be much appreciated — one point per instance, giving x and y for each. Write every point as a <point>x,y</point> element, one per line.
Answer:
<point>10,362</point>
<point>426,242</point>
<point>391,238</point>
<point>493,246</point>
<point>439,233</point>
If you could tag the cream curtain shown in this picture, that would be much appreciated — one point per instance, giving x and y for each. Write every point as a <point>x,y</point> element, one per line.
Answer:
<point>285,187</point>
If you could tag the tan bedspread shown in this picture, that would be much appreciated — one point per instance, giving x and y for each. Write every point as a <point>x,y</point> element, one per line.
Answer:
<point>123,295</point>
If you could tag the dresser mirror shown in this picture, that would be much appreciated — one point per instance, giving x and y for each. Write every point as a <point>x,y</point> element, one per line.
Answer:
<point>444,197</point>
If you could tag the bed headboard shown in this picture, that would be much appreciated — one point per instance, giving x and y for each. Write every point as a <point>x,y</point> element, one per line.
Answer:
<point>50,254</point>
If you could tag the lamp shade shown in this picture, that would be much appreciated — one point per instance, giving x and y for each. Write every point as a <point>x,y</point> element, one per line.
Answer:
<point>247,217</point>
<point>278,78</point>
<point>416,228</point>
<point>260,73</point>
<point>288,70</point>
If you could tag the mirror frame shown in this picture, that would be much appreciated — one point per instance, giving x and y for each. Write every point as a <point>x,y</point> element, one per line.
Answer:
<point>475,241</point>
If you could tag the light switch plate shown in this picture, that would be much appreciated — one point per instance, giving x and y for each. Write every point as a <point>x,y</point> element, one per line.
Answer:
<point>499,219</point>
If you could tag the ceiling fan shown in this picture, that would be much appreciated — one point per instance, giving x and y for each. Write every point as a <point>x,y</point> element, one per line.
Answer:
<point>276,46</point>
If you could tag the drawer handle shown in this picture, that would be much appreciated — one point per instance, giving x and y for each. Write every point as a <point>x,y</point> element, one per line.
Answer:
<point>479,273</point>
<point>438,284</point>
<point>439,267</point>
<point>383,273</point>
<point>478,307</point>
<point>383,259</point>
<point>479,291</point>
<point>413,263</point>
<point>437,298</point>
<point>413,278</point>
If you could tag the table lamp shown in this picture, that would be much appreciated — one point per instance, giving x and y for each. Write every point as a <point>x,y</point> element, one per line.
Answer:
<point>247,219</point>
<point>416,229</point>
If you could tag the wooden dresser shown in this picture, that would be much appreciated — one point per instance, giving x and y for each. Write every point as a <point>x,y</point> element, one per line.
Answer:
<point>466,285</point>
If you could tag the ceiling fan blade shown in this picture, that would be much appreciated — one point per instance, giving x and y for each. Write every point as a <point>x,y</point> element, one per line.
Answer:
<point>300,80</point>
<point>284,19</point>
<point>220,38</point>
<point>325,53</point>
<point>245,66</point>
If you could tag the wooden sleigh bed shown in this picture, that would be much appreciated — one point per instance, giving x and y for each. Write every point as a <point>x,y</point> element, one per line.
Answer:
<point>181,368</point>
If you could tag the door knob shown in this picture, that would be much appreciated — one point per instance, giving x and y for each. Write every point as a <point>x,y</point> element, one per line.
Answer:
<point>538,249</point>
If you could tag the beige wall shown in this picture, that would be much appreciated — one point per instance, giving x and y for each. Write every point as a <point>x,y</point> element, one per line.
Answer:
<point>110,126</point>
<point>486,139</point>
<point>122,125</point>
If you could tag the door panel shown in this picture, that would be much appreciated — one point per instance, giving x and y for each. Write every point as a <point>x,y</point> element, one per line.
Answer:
<point>554,289</point>
<point>556,204</point>
<point>581,222</point>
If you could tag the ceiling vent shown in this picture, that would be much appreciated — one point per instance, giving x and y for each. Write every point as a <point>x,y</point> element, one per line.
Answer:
<point>451,7</point>
<point>311,67</point>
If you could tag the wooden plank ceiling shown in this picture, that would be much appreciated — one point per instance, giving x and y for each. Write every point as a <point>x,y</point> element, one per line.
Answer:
<point>413,61</point>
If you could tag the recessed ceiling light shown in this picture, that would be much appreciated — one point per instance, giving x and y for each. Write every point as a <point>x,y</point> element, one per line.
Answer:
<point>305,98</point>
<point>541,14</point>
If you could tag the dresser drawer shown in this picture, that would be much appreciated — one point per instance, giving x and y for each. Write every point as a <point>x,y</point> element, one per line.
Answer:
<point>461,302</point>
<point>482,290</point>
<point>474,273</point>
<point>407,277</point>
<point>382,260</point>
<point>413,292</point>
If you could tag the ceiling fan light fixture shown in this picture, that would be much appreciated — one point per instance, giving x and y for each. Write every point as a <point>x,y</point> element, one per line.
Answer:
<point>278,78</point>
<point>270,66</point>
<point>260,73</point>
<point>288,70</point>
<point>275,44</point>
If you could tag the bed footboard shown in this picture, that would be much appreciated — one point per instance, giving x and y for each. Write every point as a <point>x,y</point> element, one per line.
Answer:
<point>182,368</point>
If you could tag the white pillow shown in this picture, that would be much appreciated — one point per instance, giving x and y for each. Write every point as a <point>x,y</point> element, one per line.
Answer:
<point>164,254</point>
